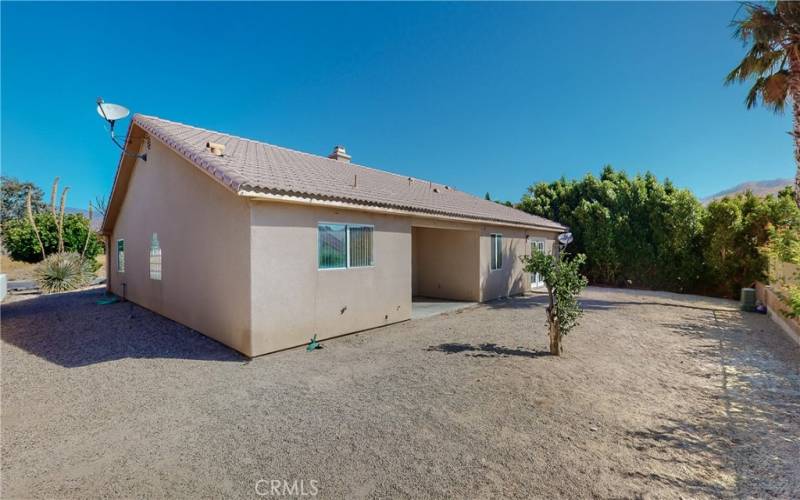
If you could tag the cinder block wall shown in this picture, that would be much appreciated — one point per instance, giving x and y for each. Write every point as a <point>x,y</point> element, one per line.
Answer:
<point>776,309</point>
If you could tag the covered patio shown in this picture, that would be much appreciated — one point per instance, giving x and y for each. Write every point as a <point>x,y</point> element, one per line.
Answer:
<point>425,307</point>
<point>445,264</point>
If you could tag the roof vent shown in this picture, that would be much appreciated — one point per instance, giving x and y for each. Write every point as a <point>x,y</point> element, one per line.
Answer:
<point>340,154</point>
<point>216,149</point>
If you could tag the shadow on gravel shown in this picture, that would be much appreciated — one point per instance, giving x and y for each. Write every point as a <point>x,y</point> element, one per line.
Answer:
<point>705,441</point>
<point>519,301</point>
<point>486,350</point>
<point>757,384</point>
<point>539,299</point>
<point>614,304</point>
<point>72,330</point>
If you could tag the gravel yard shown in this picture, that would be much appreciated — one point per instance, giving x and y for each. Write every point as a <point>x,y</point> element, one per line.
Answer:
<point>657,395</point>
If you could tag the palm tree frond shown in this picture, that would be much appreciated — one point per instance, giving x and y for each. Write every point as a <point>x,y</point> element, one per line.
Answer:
<point>761,24</point>
<point>776,90</point>
<point>771,91</point>
<point>759,61</point>
<point>752,95</point>
<point>772,32</point>
<point>789,13</point>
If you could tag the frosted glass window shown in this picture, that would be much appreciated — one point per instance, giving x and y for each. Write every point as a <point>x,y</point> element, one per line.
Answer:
<point>121,256</point>
<point>155,258</point>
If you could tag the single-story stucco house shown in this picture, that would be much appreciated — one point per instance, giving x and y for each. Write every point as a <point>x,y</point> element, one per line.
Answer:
<point>261,247</point>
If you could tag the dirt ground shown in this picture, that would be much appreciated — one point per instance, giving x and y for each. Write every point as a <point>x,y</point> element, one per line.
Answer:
<point>16,270</point>
<point>657,396</point>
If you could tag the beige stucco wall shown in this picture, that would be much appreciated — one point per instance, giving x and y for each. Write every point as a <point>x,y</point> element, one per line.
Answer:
<point>204,232</point>
<point>445,263</point>
<point>292,299</point>
<point>245,272</point>
<point>511,278</point>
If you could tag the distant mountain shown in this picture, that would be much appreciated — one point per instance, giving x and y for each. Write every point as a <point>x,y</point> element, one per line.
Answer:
<point>758,188</point>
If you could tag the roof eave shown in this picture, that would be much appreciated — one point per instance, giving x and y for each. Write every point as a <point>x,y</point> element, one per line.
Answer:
<point>305,199</point>
<point>121,176</point>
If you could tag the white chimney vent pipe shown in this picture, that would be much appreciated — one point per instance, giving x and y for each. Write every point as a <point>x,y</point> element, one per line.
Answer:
<point>216,149</point>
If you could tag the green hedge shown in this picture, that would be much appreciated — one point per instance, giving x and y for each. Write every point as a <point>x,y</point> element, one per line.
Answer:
<point>639,232</point>
<point>20,241</point>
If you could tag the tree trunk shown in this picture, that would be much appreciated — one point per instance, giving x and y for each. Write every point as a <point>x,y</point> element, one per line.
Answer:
<point>555,338</point>
<point>794,91</point>
<point>552,323</point>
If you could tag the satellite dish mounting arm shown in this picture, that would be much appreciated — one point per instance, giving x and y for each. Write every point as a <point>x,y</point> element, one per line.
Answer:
<point>111,113</point>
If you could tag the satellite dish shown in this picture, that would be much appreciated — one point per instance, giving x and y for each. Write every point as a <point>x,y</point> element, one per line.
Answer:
<point>565,238</point>
<point>112,112</point>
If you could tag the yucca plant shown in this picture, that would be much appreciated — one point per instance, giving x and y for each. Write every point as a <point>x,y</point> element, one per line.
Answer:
<point>62,272</point>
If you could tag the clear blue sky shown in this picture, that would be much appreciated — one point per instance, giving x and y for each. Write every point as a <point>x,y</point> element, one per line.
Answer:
<point>485,97</point>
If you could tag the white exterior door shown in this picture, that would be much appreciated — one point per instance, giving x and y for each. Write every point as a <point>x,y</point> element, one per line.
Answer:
<point>536,279</point>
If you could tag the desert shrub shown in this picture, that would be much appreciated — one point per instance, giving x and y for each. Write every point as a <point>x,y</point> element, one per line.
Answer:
<point>20,241</point>
<point>792,299</point>
<point>782,247</point>
<point>61,272</point>
<point>94,266</point>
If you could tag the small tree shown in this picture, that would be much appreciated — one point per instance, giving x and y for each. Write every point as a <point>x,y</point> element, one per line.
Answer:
<point>14,195</point>
<point>101,204</point>
<point>564,283</point>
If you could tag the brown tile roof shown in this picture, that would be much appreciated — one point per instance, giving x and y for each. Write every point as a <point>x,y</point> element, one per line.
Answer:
<point>250,166</point>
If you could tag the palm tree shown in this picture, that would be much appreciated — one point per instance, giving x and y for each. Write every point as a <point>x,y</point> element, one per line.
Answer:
<point>772,32</point>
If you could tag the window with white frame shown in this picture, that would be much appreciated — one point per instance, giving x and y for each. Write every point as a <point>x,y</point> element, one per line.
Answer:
<point>537,245</point>
<point>155,258</point>
<point>497,251</point>
<point>344,245</point>
<point>120,256</point>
